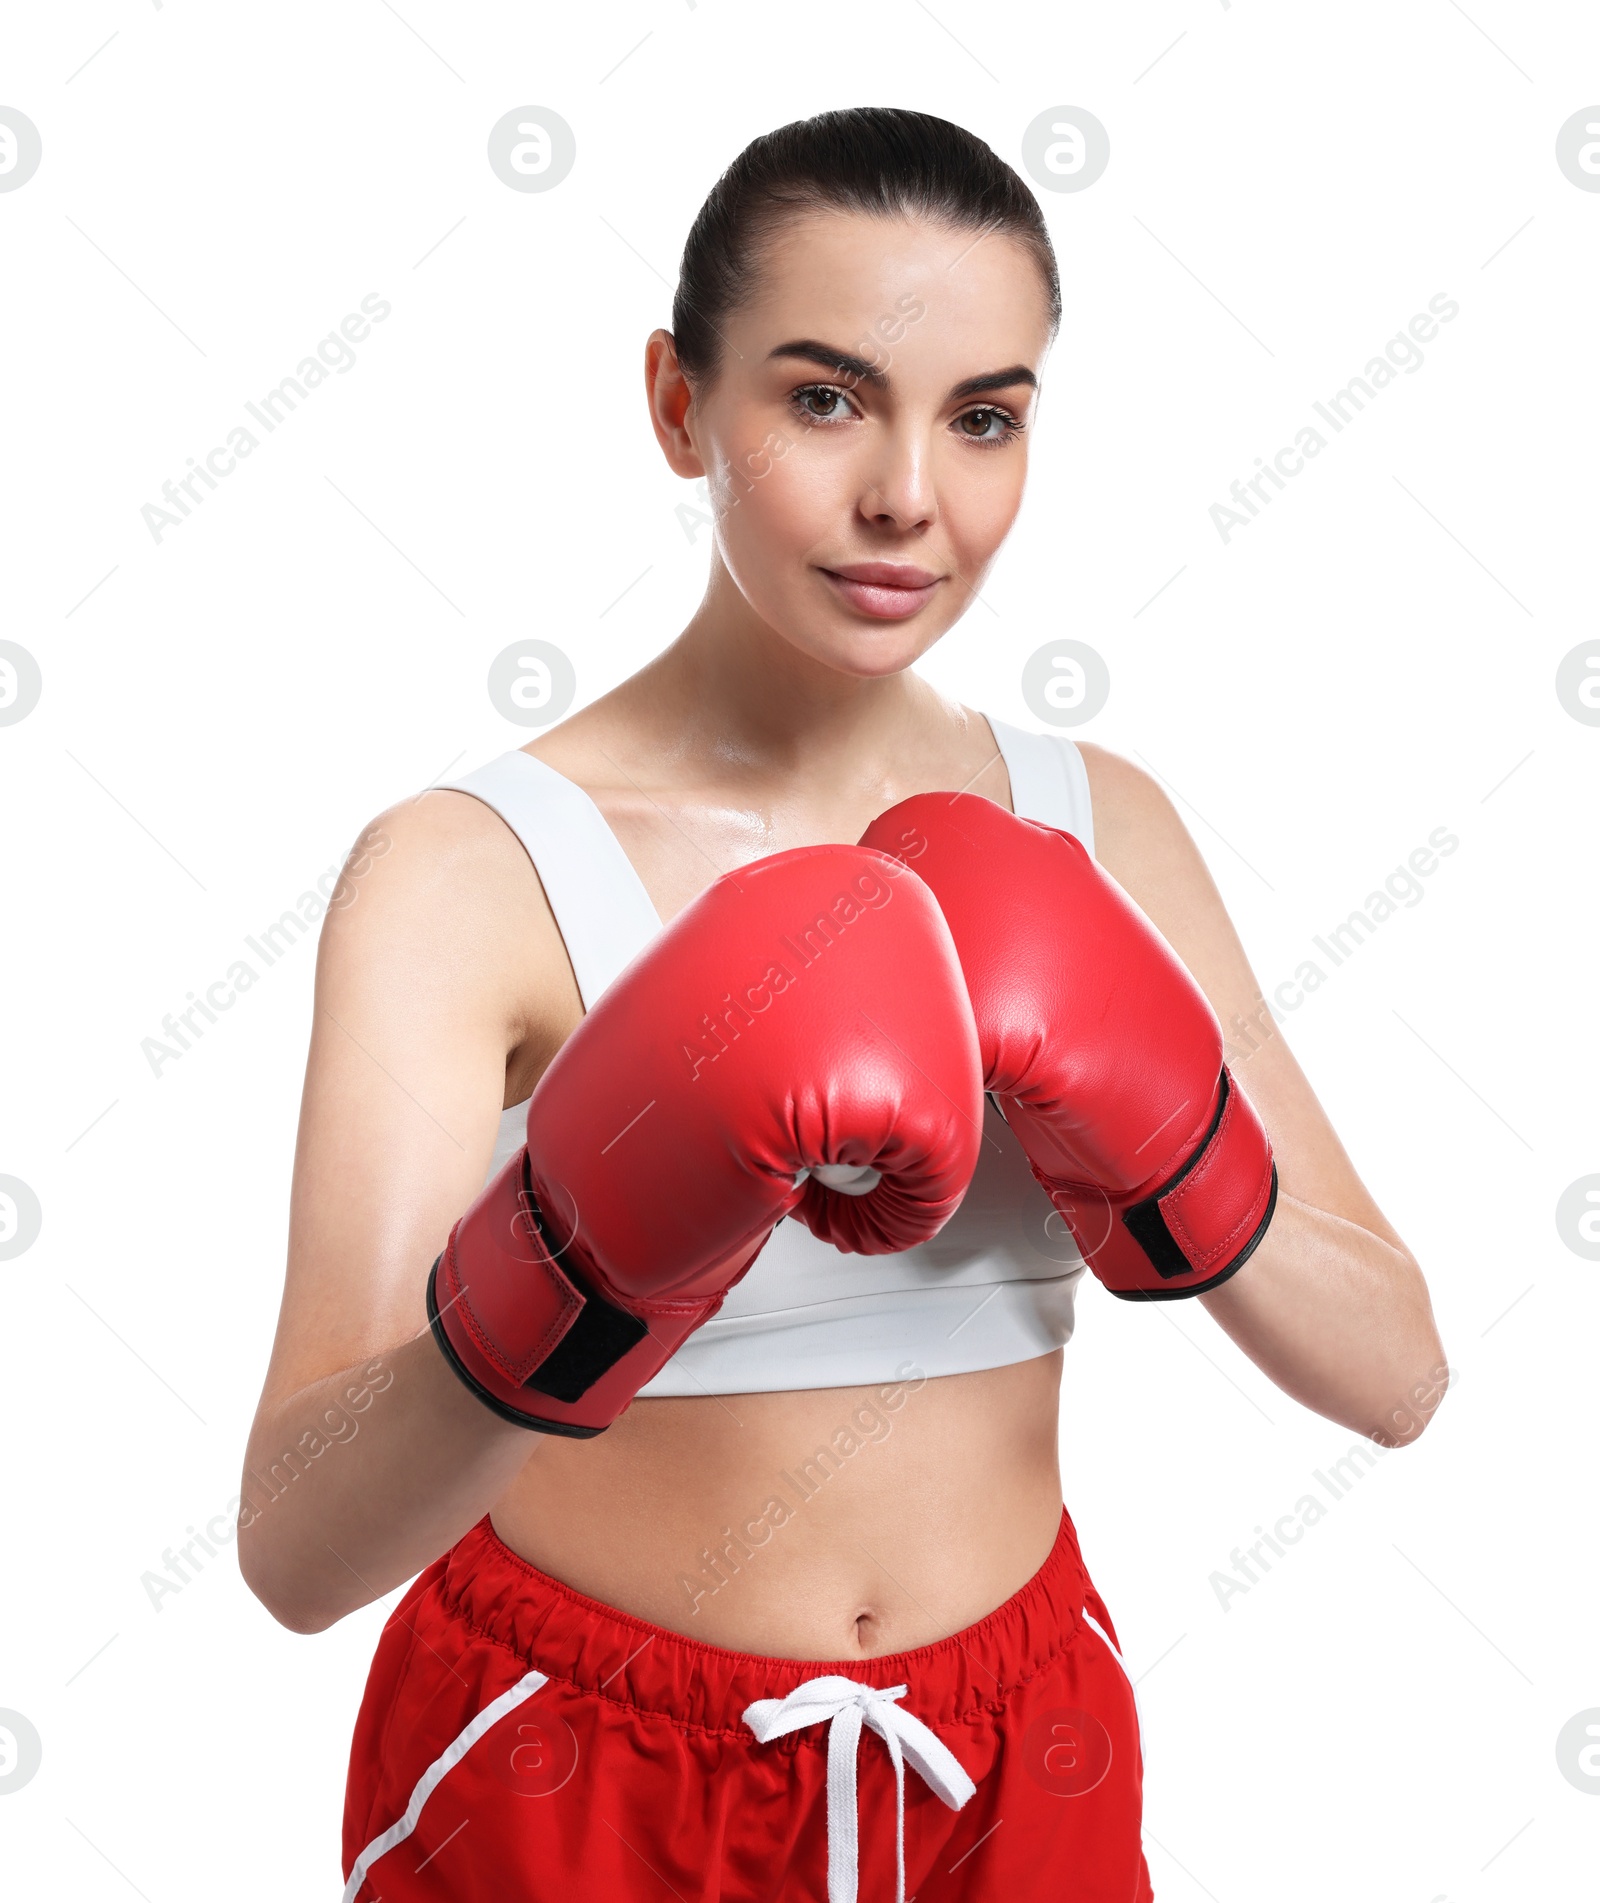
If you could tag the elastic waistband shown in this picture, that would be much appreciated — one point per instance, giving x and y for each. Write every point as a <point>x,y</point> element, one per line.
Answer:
<point>612,1655</point>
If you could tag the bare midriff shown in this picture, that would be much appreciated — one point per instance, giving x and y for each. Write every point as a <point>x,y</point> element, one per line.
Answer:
<point>823,1523</point>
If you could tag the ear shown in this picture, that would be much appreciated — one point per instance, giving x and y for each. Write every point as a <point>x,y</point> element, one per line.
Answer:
<point>670,396</point>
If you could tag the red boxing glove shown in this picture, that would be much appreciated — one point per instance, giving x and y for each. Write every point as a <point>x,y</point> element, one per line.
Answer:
<point>1102,1049</point>
<point>806,1013</point>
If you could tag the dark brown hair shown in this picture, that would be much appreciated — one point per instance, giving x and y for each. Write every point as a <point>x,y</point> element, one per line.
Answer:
<point>874,159</point>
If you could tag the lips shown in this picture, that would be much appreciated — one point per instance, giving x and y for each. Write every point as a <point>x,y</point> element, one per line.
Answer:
<point>888,591</point>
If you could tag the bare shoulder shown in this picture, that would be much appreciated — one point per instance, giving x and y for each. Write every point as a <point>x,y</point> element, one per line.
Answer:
<point>1141,840</point>
<point>439,908</point>
<point>1111,776</point>
<point>439,973</point>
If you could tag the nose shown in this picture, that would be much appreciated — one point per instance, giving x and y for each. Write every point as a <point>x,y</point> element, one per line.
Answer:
<point>897,486</point>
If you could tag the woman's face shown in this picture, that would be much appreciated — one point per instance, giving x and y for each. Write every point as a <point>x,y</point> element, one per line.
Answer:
<point>864,438</point>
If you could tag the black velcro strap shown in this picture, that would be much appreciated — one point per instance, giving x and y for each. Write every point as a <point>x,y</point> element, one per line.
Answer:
<point>1145,1221</point>
<point>595,1343</point>
<point>1148,1227</point>
<point>1221,1276</point>
<point>597,1340</point>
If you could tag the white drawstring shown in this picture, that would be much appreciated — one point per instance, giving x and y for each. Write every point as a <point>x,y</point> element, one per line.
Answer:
<point>844,1703</point>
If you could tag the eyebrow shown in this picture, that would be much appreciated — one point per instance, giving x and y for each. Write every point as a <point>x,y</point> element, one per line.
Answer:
<point>807,350</point>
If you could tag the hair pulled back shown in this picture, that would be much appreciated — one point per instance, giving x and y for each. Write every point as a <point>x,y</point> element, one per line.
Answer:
<point>878,160</point>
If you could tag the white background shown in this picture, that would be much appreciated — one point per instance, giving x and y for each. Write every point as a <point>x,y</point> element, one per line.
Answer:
<point>1371,659</point>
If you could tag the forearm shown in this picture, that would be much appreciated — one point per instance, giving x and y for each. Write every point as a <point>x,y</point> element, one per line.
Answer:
<point>1339,1319</point>
<point>346,1497</point>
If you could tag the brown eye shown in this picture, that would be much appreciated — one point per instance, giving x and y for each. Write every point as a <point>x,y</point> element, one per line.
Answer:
<point>821,402</point>
<point>988,425</point>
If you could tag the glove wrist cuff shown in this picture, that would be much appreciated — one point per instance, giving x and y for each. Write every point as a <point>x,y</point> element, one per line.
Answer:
<point>534,1337</point>
<point>519,1325</point>
<point>1199,1227</point>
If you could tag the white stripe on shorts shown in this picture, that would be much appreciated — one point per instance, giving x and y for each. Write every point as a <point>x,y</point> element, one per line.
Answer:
<point>430,1780</point>
<point>1090,1619</point>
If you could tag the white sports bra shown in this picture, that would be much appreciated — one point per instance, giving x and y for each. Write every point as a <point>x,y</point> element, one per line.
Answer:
<point>996,1284</point>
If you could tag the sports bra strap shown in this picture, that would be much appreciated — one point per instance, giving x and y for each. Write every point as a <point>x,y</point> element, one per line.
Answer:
<point>1049,782</point>
<point>602,910</point>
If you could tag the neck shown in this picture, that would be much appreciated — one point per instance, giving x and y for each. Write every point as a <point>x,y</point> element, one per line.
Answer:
<point>731,687</point>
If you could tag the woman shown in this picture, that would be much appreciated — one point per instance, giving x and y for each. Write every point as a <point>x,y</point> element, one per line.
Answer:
<point>646,1639</point>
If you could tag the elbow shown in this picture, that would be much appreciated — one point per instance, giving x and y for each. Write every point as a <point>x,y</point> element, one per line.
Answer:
<point>298,1616</point>
<point>294,1603</point>
<point>1405,1420</point>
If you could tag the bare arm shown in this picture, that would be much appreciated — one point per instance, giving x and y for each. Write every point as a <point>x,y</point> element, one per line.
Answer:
<point>367,1458</point>
<point>1332,1305</point>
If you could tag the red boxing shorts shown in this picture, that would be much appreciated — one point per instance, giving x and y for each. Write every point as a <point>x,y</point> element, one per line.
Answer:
<point>520,1743</point>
